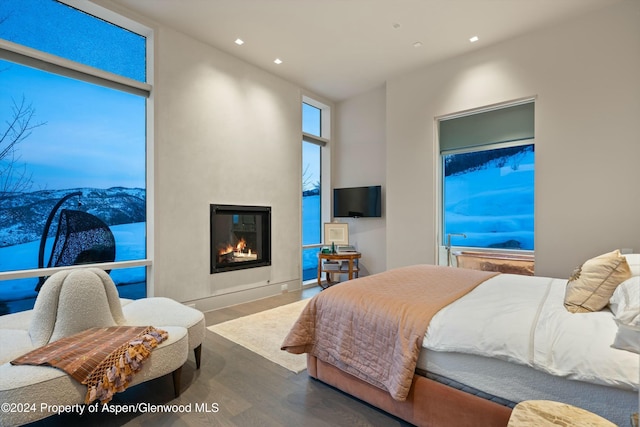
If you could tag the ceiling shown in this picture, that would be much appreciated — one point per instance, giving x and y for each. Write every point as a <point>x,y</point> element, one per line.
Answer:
<point>339,48</point>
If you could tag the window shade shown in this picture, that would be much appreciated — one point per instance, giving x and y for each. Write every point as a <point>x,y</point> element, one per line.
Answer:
<point>507,124</point>
<point>314,139</point>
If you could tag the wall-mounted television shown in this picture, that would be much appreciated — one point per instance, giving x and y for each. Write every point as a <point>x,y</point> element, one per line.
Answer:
<point>357,202</point>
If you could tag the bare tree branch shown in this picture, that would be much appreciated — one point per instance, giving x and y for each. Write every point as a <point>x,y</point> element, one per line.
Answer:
<point>14,176</point>
<point>19,127</point>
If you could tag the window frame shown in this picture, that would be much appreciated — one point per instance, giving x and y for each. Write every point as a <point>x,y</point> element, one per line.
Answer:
<point>438,155</point>
<point>34,58</point>
<point>325,172</point>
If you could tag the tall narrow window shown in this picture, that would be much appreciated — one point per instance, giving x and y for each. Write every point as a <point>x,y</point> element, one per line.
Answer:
<point>73,101</point>
<point>488,161</point>
<point>312,144</point>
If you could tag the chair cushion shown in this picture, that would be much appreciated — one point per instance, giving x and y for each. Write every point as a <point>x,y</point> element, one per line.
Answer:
<point>14,343</point>
<point>19,320</point>
<point>161,311</point>
<point>43,385</point>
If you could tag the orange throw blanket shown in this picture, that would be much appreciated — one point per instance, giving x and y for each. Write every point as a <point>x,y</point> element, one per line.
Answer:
<point>373,327</point>
<point>104,359</point>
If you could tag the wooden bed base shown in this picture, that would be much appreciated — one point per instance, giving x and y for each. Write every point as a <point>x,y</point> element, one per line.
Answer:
<point>429,403</point>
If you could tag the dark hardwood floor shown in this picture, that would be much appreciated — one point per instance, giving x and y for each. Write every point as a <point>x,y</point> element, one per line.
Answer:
<point>236,387</point>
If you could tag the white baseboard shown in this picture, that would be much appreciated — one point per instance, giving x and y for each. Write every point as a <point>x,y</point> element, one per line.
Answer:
<point>216,302</point>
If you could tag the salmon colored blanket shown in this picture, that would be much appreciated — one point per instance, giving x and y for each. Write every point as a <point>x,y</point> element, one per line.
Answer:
<point>105,359</point>
<point>373,327</point>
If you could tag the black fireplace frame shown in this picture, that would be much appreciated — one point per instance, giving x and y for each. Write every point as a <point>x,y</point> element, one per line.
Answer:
<point>264,213</point>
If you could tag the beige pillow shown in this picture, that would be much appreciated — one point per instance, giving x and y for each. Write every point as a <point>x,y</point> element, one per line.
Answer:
<point>592,284</point>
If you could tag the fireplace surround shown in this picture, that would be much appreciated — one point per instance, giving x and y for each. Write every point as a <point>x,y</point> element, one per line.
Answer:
<point>240,237</point>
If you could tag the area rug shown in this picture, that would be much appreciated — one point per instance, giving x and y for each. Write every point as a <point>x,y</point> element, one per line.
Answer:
<point>264,332</point>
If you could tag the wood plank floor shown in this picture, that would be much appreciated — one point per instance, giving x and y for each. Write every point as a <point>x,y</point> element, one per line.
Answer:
<point>246,389</point>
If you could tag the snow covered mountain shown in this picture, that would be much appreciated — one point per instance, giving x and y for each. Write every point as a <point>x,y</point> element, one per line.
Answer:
<point>23,215</point>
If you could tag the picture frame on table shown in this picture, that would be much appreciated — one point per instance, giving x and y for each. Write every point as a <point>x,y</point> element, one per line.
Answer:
<point>336,233</point>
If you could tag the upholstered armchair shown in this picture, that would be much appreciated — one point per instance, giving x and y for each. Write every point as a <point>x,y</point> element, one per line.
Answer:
<point>73,301</point>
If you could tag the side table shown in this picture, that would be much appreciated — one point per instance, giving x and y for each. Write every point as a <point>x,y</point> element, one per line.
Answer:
<point>335,264</point>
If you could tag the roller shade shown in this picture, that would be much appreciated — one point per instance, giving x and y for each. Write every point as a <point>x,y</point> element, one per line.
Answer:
<point>507,124</point>
<point>314,139</point>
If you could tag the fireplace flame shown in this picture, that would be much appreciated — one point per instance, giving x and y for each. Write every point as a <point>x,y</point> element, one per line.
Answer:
<point>227,249</point>
<point>238,251</point>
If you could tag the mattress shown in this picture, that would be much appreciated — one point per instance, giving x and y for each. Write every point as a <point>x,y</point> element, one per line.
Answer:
<point>511,337</point>
<point>511,382</point>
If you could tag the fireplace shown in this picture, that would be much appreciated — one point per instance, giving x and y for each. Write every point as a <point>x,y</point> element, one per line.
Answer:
<point>240,237</point>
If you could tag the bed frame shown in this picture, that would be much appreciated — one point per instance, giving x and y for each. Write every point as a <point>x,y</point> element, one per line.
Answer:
<point>429,403</point>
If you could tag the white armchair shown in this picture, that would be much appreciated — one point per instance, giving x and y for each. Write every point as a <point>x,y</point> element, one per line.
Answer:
<point>69,302</point>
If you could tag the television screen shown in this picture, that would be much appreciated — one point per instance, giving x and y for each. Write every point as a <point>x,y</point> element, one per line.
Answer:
<point>357,202</point>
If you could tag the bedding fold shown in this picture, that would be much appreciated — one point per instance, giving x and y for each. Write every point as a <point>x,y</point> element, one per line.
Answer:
<point>373,327</point>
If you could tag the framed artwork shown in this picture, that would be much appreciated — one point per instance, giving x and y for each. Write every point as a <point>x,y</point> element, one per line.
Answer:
<point>336,233</point>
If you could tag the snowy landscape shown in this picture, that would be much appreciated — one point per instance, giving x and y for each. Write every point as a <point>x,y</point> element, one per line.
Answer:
<point>493,206</point>
<point>22,221</point>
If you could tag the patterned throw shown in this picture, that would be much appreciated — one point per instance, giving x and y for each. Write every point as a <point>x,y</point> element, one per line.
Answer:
<point>105,359</point>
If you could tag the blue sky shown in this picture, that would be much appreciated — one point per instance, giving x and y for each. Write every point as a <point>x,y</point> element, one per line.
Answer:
<point>92,136</point>
<point>311,120</point>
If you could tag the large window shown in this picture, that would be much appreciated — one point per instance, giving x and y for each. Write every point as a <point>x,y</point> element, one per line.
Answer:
<point>73,108</point>
<point>488,163</point>
<point>312,146</point>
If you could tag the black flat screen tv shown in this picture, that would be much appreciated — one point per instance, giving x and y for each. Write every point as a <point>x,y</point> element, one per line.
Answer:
<point>357,202</point>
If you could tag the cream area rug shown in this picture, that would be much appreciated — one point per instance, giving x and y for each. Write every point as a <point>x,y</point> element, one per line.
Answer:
<point>264,332</point>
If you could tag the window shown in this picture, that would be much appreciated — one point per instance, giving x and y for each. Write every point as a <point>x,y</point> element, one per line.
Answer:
<point>488,163</point>
<point>73,104</point>
<point>311,119</point>
<point>311,209</point>
<point>312,153</point>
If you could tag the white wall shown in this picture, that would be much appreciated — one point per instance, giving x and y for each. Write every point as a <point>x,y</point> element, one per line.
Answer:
<point>359,159</point>
<point>227,133</point>
<point>585,76</point>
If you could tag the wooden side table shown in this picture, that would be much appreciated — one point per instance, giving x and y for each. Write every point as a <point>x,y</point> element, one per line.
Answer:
<point>334,264</point>
<point>543,413</point>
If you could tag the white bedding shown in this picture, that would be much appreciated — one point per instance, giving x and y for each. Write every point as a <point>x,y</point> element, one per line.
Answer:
<point>522,319</point>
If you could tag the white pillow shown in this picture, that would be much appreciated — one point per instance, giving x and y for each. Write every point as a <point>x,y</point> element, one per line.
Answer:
<point>625,305</point>
<point>625,302</point>
<point>634,263</point>
<point>627,338</point>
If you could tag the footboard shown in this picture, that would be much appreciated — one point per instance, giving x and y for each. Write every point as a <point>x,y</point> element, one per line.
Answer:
<point>429,403</point>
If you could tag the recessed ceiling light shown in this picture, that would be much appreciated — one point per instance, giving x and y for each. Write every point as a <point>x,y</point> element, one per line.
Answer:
<point>239,42</point>
<point>278,61</point>
<point>417,44</point>
<point>474,39</point>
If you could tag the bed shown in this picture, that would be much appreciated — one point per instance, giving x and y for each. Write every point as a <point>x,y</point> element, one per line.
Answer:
<point>442,346</point>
